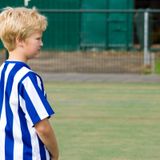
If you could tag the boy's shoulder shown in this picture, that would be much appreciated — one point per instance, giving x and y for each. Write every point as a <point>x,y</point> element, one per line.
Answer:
<point>19,70</point>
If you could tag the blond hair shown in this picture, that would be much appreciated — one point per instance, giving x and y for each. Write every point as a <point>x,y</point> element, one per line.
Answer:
<point>19,23</point>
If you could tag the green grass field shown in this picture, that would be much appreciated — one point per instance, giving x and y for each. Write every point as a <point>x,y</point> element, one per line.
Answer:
<point>106,121</point>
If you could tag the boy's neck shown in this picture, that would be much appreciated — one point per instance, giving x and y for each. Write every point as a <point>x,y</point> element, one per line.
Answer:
<point>17,56</point>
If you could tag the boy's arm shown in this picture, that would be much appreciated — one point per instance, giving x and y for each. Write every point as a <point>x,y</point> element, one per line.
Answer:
<point>47,136</point>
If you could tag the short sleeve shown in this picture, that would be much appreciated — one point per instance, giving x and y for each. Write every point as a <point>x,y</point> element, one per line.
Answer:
<point>33,100</point>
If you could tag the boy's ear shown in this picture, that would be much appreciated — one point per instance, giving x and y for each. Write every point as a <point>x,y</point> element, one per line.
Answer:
<point>19,42</point>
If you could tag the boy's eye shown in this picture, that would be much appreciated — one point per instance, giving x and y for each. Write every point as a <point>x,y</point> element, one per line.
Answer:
<point>38,38</point>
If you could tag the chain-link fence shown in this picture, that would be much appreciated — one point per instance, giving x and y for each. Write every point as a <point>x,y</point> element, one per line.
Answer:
<point>100,41</point>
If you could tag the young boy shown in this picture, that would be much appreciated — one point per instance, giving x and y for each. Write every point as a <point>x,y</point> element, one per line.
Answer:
<point>25,131</point>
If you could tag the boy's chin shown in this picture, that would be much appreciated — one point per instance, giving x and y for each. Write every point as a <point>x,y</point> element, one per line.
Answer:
<point>37,54</point>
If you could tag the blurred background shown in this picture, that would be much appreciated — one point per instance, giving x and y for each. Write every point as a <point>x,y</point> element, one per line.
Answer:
<point>101,63</point>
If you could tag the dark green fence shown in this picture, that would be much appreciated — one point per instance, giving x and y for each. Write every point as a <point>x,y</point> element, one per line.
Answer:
<point>107,29</point>
<point>93,24</point>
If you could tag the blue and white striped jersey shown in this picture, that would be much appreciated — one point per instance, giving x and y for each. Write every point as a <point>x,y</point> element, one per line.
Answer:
<point>23,103</point>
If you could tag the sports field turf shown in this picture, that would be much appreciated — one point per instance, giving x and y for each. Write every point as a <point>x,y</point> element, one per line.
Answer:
<point>106,121</point>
